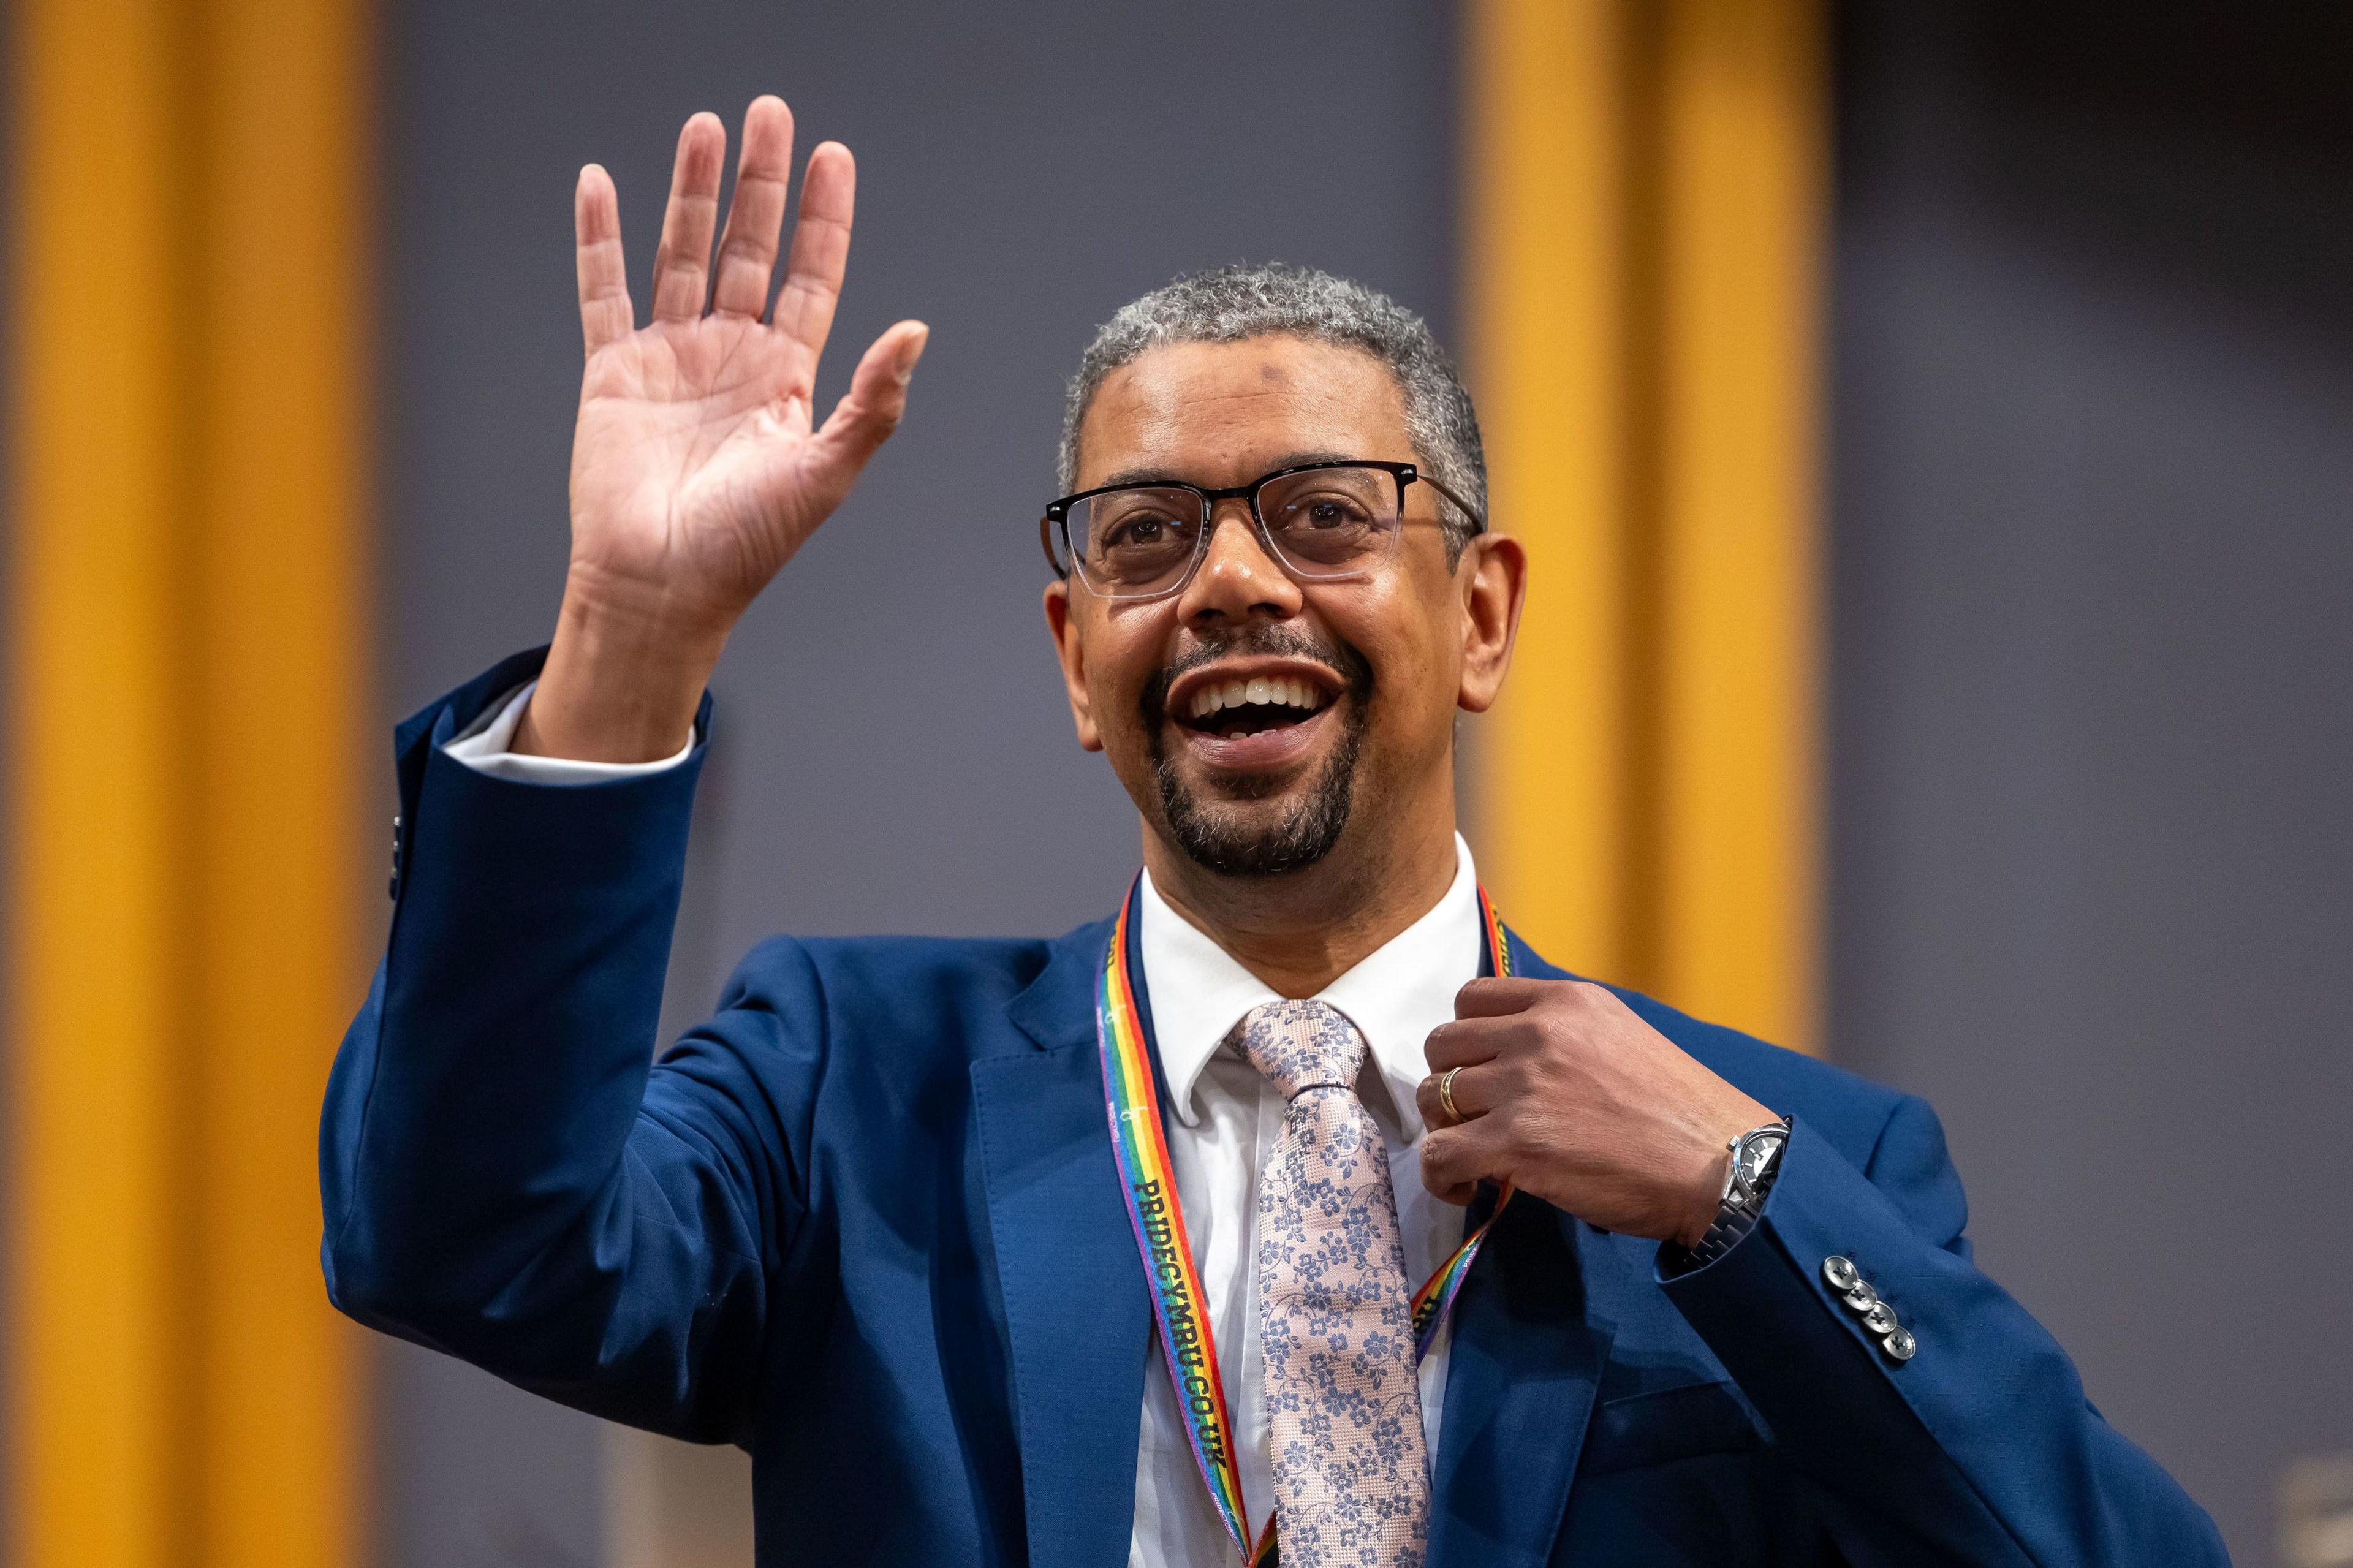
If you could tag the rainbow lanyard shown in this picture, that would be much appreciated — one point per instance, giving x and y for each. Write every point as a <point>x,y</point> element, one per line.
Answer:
<point>1140,1142</point>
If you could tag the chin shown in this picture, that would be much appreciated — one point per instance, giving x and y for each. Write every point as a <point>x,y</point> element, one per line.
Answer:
<point>1260,824</point>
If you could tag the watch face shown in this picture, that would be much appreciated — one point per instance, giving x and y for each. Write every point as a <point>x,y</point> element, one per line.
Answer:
<point>1756,1156</point>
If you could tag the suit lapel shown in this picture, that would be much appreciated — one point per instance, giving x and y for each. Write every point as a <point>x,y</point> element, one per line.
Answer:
<point>1532,1328</point>
<point>1076,1306</point>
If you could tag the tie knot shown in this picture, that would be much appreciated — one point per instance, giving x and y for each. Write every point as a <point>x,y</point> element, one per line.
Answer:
<point>1301,1044</point>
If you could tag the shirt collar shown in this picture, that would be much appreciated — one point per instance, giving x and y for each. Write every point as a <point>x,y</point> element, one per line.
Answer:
<point>1395,997</point>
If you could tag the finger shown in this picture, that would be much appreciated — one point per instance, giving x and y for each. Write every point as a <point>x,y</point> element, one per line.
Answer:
<point>756,214</point>
<point>604,311</point>
<point>820,250</point>
<point>876,400</point>
<point>1493,997</point>
<point>1460,1044</point>
<point>1477,1091</point>
<point>1433,1110</point>
<point>682,264</point>
<point>1454,1161</point>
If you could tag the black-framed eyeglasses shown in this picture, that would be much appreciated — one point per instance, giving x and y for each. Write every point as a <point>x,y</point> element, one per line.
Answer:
<point>1321,522</point>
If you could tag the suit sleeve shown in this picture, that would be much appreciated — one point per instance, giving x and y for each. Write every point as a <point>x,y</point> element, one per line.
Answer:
<point>1979,1449</point>
<point>506,1176</point>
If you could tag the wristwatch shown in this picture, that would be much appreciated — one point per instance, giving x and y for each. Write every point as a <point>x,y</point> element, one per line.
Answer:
<point>1755,1155</point>
<point>1756,1160</point>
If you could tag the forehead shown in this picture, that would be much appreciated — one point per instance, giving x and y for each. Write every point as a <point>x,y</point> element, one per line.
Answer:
<point>1223,413</point>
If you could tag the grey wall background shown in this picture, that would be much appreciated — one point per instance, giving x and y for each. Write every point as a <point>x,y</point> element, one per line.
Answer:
<point>892,752</point>
<point>2092,370</point>
<point>2092,748</point>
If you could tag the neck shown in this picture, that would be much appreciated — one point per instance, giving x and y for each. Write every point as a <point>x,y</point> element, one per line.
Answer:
<point>1302,931</point>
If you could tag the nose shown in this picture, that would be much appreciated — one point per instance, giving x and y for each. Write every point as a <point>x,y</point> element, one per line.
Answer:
<point>1237,581</point>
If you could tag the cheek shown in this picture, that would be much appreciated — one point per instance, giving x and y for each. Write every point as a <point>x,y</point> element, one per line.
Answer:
<point>1118,668</point>
<point>1113,709</point>
<point>1413,674</point>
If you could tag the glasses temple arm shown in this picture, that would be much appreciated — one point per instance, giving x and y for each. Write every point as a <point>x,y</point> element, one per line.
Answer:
<point>1478,523</point>
<point>1045,542</point>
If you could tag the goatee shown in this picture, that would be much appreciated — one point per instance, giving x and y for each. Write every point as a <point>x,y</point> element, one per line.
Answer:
<point>1220,840</point>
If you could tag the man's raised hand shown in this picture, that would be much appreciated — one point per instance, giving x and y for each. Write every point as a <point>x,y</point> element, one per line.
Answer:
<point>697,468</point>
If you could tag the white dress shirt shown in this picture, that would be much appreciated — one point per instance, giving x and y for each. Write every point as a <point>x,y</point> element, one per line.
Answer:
<point>1222,1118</point>
<point>484,746</point>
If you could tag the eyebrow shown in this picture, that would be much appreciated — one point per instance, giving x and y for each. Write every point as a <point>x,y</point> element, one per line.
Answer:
<point>1168,477</point>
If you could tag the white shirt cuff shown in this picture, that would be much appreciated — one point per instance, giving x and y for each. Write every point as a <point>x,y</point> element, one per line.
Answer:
<point>484,747</point>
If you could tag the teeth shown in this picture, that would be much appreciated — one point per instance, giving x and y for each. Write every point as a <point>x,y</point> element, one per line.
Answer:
<point>1281,689</point>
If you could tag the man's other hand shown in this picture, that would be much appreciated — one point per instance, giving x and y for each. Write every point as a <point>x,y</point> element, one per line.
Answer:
<point>696,469</point>
<point>1564,1092</point>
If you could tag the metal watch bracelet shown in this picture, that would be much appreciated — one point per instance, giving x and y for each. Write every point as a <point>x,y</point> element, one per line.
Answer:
<point>1735,1213</point>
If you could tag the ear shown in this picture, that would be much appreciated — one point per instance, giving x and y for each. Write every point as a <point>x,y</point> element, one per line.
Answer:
<point>1071,651</point>
<point>1493,577</point>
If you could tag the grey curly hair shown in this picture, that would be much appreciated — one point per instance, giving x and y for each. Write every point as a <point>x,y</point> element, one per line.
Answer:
<point>1228,304</point>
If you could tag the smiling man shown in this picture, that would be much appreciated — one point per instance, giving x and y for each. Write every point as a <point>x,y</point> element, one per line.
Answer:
<point>1297,1208</point>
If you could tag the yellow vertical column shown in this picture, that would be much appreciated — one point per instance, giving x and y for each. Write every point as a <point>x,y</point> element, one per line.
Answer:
<point>93,920</point>
<point>1545,343</point>
<point>187,670</point>
<point>1642,251</point>
<point>1744,134</point>
<point>278,567</point>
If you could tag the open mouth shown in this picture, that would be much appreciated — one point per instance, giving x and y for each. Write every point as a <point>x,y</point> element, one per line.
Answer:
<point>1234,705</point>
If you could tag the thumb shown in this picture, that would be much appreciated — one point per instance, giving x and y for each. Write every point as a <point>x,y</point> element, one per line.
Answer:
<point>874,404</point>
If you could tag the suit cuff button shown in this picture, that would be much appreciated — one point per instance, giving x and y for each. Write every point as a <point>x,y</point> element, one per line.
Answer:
<point>1840,1273</point>
<point>1900,1345</point>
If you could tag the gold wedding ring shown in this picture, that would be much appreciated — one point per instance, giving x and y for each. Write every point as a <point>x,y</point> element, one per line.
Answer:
<point>1446,1094</point>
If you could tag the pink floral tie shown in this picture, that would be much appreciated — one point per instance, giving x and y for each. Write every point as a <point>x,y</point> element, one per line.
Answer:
<point>1343,1396</point>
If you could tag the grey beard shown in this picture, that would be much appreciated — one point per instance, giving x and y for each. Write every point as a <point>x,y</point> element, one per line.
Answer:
<point>1304,835</point>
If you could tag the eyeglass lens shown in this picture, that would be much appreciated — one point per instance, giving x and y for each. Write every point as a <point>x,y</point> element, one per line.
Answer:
<point>1322,522</point>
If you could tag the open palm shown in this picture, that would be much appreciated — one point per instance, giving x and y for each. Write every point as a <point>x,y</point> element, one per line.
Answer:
<point>697,468</point>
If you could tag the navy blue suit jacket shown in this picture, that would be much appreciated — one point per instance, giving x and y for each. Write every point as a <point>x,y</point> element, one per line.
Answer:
<point>865,1222</point>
